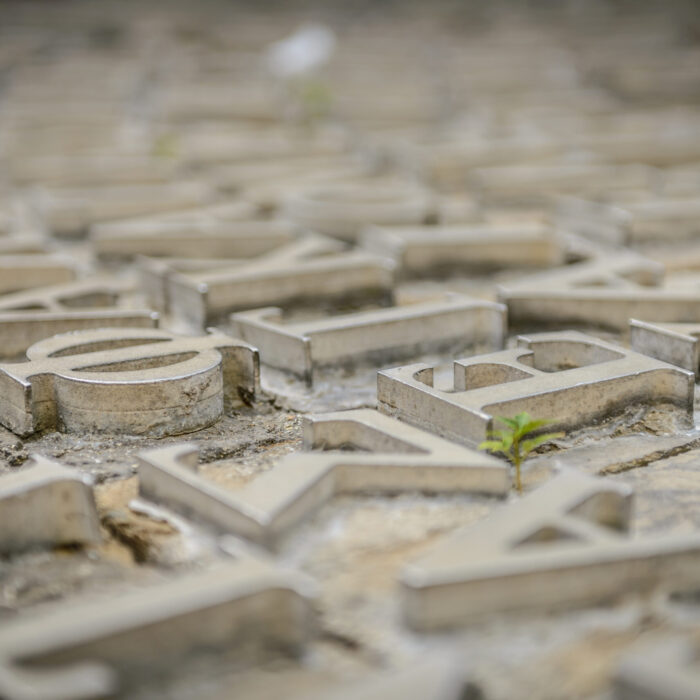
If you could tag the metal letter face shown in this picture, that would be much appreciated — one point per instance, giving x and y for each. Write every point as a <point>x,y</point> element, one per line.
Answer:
<point>225,239</point>
<point>30,316</point>
<point>432,250</point>
<point>405,459</point>
<point>197,298</point>
<point>343,209</point>
<point>132,380</point>
<point>562,545</point>
<point>634,221</point>
<point>605,292</point>
<point>70,212</point>
<point>528,181</point>
<point>675,343</point>
<point>19,272</point>
<point>371,337</point>
<point>94,650</point>
<point>157,273</point>
<point>46,505</point>
<point>568,376</point>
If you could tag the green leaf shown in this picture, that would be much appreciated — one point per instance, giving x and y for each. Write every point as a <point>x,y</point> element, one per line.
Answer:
<point>512,422</point>
<point>493,446</point>
<point>528,445</point>
<point>500,434</point>
<point>505,439</point>
<point>533,424</point>
<point>522,419</point>
<point>165,146</point>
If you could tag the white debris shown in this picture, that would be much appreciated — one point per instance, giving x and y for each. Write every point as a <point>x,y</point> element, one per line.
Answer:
<point>303,52</point>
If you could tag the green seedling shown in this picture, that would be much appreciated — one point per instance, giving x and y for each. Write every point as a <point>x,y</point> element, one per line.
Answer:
<point>513,441</point>
<point>165,146</point>
<point>315,98</point>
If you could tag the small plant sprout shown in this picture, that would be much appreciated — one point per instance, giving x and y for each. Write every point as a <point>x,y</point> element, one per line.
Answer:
<point>165,146</point>
<point>316,99</point>
<point>513,441</point>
